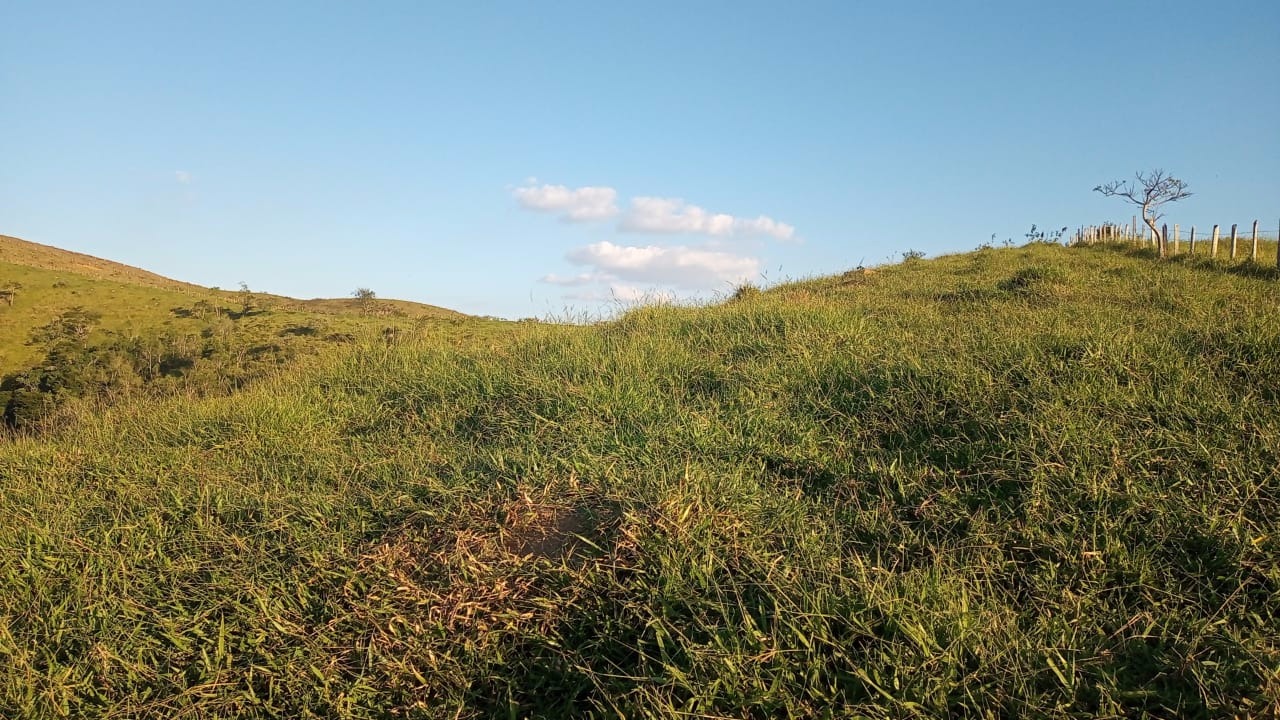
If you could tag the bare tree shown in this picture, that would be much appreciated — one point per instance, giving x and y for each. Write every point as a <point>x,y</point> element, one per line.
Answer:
<point>9,291</point>
<point>1152,190</point>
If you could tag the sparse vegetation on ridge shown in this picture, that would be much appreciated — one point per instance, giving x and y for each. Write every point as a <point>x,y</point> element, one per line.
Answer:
<point>1033,481</point>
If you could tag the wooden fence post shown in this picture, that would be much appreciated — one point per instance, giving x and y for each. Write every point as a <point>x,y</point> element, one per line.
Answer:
<point>1177,241</point>
<point>1135,227</point>
<point>1164,240</point>
<point>1253,256</point>
<point>1192,250</point>
<point>1214,252</point>
<point>1278,247</point>
<point>1233,241</point>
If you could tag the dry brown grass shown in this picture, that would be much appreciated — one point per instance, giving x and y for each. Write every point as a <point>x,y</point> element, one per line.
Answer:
<point>23,252</point>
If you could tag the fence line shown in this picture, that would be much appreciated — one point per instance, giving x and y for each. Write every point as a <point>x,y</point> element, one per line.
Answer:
<point>1253,234</point>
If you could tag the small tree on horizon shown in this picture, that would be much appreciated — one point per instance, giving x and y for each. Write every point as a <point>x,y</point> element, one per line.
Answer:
<point>365,296</point>
<point>1152,190</point>
<point>248,300</point>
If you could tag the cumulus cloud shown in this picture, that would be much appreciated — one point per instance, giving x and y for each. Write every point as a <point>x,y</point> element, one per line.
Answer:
<point>570,281</point>
<point>646,214</point>
<point>673,215</point>
<point>572,204</point>
<point>624,294</point>
<point>634,293</point>
<point>689,268</point>
<point>626,273</point>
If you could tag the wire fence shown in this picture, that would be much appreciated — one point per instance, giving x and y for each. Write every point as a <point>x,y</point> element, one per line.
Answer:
<point>1238,241</point>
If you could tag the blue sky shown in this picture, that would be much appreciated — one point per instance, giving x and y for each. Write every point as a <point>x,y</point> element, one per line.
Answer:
<point>519,159</point>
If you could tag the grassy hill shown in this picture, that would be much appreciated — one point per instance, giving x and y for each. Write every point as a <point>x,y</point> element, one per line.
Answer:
<point>1024,482</point>
<point>174,334</point>
<point>53,280</point>
<point>16,252</point>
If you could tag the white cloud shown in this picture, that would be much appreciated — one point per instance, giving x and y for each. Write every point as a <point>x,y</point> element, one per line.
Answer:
<point>646,214</point>
<point>581,279</point>
<point>183,177</point>
<point>609,272</point>
<point>628,293</point>
<point>572,204</point>
<point>622,293</point>
<point>679,266</point>
<point>673,215</point>
<point>631,294</point>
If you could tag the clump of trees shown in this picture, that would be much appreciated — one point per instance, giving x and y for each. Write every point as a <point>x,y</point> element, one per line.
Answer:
<point>68,369</point>
<point>81,360</point>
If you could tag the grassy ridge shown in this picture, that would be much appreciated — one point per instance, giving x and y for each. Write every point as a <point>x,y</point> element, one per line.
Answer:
<point>129,308</point>
<point>77,327</point>
<point>16,251</point>
<point>1032,481</point>
<point>134,301</point>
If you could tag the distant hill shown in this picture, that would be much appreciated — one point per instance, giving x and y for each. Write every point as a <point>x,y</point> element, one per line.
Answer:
<point>130,300</point>
<point>17,251</point>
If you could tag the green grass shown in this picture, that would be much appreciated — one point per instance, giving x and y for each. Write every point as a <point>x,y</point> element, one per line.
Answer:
<point>1027,482</point>
<point>150,338</point>
<point>133,301</point>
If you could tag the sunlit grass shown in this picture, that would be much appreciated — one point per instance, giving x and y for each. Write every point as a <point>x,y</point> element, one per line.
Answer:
<point>1026,482</point>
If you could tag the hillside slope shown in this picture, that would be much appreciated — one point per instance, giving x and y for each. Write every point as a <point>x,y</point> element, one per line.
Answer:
<point>77,328</point>
<point>132,300</point>
<point>14,251</point>
<point>1028,482</point>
